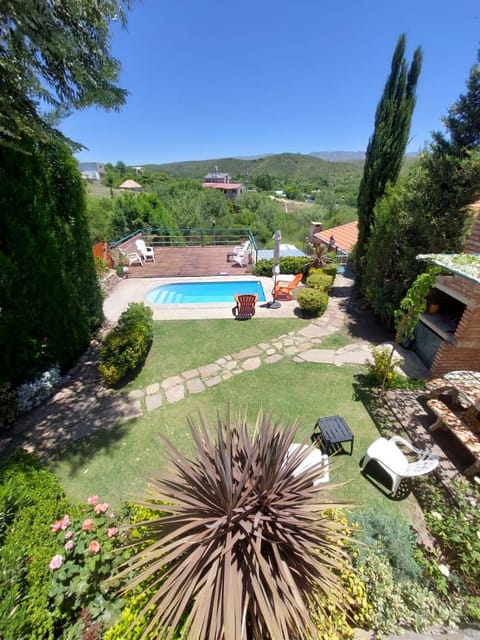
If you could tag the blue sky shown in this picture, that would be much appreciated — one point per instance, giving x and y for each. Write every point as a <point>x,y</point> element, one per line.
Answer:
<point>212,80</point>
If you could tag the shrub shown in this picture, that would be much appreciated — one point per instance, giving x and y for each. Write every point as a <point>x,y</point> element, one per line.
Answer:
<point>30,498</point>
<point>456,527</point>
<point>330,270</point>
<point>336,624</point>
<point>126,347</point>
<point>288,264</point>
<point>319,280</point>
<point>393,535</point>
<point>7,404</point>
<point>312,302</point>
<point>49,284</point>
<point>85,557</point>
<point>399,605</point>
<point>32,394</point>
<point>246,530</point>
<point>381,369</point>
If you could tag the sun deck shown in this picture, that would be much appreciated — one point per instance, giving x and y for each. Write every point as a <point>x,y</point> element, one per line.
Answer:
<point>188,262</point>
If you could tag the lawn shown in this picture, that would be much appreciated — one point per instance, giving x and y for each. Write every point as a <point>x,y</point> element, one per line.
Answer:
<point>186,344</point>
<point>116,465</point>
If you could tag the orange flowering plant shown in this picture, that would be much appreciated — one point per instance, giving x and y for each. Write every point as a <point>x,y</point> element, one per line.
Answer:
<point>85,558</point>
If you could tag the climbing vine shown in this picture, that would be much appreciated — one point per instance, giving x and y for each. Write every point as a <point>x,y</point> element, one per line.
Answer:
<point>414,303</point>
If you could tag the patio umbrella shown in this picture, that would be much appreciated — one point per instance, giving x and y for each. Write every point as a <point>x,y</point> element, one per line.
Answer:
<point>276,267</point>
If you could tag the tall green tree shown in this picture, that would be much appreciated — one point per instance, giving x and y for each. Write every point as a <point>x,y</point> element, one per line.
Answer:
<point>55,57</point>
<point>426,211</point>
<point>386,147</point>
<point>463,119</point>
<point>49,293</point>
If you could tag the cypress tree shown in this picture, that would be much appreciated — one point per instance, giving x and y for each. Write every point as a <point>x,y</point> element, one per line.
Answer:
<point>386,147</point>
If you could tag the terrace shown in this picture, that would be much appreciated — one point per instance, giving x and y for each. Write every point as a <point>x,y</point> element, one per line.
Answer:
<point>195,252</point>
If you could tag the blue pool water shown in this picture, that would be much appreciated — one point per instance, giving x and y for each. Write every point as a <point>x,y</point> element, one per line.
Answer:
<point>188,292</point>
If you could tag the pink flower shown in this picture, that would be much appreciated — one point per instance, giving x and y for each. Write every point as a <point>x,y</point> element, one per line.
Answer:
<point>112,531</point>
<point>69,535</point>
<point>56,562</point>
<point>69,545</point>
<point>101,508</point>
<point>94,547</point>
<point>93,499</point>
<point>87,524</point>
<point>56,526</point>
<point>65,522</point>
<point>111,515</point>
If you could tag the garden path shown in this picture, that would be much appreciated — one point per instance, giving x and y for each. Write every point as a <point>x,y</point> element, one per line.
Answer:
<point>84,405</point>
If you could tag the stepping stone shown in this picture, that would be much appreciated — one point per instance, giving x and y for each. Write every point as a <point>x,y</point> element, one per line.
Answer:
<point>174,381</point>
<point>152,388</point>
<point>174,394</point>
<point>195,385</point>
<point>209,371</point>
<point>251,364</point>
<point>326,356</point>
<point>153,402</point>
<point>272,359</point>
<point>192,373</point>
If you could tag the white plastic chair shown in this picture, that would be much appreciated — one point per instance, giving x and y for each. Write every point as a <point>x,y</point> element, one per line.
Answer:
<point>314,459</point>
<point>133,258</point>
<point>147,252</point>
<point>241,258</point>
<point>241,247</point>
<point>392,459</point>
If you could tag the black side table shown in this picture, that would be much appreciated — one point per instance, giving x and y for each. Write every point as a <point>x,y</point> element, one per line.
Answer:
<point>330,433</point>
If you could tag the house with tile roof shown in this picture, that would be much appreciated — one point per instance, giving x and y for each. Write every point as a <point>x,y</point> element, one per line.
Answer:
<point>340,239</point>
<point>221,181</point>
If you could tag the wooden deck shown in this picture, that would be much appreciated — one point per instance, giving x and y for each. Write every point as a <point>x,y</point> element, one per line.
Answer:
<point>187,262</point>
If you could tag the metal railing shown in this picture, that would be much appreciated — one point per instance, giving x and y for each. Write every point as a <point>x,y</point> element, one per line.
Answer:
<point>197,237</point>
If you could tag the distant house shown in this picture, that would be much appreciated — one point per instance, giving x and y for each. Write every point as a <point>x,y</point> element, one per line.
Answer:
<point>130,185</point>
<point>92,170</point>
<point>221,181</point>
<point>340,239</point>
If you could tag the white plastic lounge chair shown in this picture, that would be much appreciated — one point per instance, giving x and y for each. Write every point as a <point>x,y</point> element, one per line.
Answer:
<point>392,459</point>
<point>314,459</point>
<point>133,258</point>
<point>242,257</point>
<point>147,252</point>
<point>240,247</point>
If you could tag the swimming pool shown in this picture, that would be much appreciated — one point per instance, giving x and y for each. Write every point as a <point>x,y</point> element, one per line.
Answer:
<point>204,292</point>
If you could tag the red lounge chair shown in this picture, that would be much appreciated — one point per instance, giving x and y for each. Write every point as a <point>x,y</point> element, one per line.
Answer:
<point>285,287</point>
<point>245,307</point>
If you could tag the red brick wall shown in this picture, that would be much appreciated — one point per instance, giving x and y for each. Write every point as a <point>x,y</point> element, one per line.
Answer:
<point>465,290</point>
<point>473,242</point>
<point>465,353</point>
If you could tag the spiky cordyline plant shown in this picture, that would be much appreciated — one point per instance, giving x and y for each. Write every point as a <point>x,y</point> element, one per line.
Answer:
<point>244,550</point>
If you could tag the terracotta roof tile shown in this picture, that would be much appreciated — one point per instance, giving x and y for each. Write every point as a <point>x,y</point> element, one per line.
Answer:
<point>346,235</point>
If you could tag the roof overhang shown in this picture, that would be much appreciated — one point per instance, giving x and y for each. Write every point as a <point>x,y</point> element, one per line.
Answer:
<point>466,265</point>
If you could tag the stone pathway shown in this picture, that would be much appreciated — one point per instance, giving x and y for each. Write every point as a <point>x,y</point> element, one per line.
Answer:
<point>84,405</point>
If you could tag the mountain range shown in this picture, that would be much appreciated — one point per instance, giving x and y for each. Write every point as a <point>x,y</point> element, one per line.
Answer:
<point>323,166</point>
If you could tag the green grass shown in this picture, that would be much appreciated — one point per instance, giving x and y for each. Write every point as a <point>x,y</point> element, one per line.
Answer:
<point>116,464</point>
<point>187,344</point>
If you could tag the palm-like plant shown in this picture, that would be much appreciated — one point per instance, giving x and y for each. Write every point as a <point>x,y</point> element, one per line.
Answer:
<point>320,257</point>
<point>244,551</point>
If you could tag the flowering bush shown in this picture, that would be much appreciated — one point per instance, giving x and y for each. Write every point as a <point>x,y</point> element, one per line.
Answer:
<point>85,558</point>
<point>456,528</point>
<point>31,394</point>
